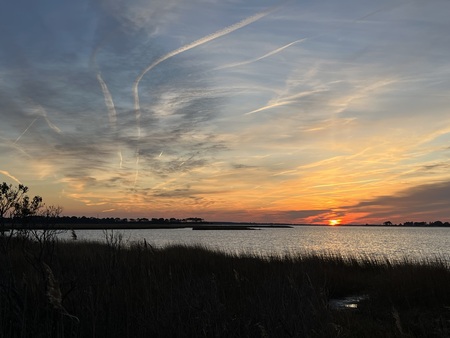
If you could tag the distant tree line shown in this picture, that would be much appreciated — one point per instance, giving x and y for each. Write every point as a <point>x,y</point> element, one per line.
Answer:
<point>19,210</point>
<point>419,224</point>
<point>108,220</point>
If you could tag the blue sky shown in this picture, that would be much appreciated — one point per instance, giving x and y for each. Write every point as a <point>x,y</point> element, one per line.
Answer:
<point>297,111</point>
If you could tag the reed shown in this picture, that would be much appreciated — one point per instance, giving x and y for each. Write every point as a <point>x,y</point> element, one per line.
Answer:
<point>88,289</point>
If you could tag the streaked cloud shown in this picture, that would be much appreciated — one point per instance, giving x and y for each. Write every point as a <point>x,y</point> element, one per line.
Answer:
<point>423,202</point>
<point>8,175</point>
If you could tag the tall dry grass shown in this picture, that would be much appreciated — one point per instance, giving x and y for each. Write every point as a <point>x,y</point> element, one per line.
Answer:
<point>108,290</point>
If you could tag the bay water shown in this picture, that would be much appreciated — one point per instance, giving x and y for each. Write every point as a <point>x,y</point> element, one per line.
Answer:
<point>393,243</point>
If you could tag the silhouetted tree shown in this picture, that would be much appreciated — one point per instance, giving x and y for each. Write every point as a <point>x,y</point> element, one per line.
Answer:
<point>27,218</point>
<point>15,207</point>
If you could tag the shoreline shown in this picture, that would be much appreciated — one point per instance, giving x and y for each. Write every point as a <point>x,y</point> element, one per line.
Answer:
<point>195,226</point>
<point>148,225</point>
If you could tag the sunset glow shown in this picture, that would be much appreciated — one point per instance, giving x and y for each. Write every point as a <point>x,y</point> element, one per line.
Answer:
<point>334,222</point>
<point>251,111</point>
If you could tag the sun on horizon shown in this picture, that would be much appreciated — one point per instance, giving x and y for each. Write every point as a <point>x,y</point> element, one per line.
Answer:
<point>333,222</point>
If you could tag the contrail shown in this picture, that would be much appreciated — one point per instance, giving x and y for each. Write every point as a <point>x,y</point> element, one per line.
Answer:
<point>112,115</point>
<point>7,174</point>
<point>261,57</point>
<point>136,174</point>
<point>382,9</point>
<point>286,100</point>
<point>24,132</point>
<point>109,102</point>
<point>51,125</point>
<point>300,40</point>
<point>120,158</point>
<point>191,45</point>
<point>14,145</point>
<point>42,113</point>
<point>182,49</point>
<point>269,106</point>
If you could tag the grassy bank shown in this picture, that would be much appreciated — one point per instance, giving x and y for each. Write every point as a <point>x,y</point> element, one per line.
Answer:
<point>81,289</point>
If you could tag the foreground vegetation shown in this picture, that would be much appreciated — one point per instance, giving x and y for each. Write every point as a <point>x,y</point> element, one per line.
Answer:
<point>86,289</point>
<point>82,289</point>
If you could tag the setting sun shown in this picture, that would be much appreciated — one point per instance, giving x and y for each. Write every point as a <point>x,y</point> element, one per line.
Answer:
<point>334,222</point>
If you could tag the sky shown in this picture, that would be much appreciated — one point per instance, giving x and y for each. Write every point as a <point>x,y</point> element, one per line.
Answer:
<point>259,111</point>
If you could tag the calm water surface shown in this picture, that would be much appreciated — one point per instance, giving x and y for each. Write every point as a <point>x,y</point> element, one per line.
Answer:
<point>390,242</point>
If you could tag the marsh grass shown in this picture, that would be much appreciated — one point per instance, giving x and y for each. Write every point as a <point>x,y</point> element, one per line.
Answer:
<point>109,290</point>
